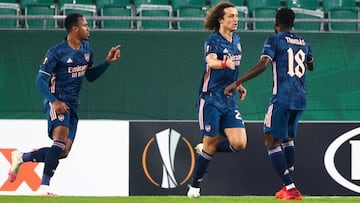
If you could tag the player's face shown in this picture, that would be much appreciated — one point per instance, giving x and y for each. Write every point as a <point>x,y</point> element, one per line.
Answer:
<point>83,29</point>
<point>230,19</point>
<point>276,27</point>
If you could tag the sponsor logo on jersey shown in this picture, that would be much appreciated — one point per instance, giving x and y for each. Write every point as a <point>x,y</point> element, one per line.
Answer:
<point>77,71</point>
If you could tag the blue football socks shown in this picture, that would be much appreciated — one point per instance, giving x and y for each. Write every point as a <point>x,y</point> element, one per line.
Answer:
<point>225,146</point>
<point>279,163</point>
<point>201,165</point>
<point>36,156</point>
<point>289,152</point>
<point>52,161</point>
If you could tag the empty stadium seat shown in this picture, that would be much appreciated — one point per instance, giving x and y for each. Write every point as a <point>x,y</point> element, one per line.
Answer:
<point>190,9</point>
<point>243,11</point>
<point>264,9</point>
<point>153,8</point>
<point>115,8</point>
<point>235,2</point>
<point>11,8</point>
<point>39,7</point>
<point>341,9</point>
<point>83,7</point>
<point>306,9</point>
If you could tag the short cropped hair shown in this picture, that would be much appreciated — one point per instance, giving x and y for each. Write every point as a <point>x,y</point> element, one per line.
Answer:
<point>286,17</point>
<point>71,20</point>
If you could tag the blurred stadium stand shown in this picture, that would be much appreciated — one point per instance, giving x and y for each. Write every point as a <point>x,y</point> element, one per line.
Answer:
<point>254,15</point>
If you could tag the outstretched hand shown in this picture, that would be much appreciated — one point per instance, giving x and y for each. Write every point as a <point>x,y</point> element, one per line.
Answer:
<point>241,89</point>
<point>113,54</point>
<point>242,92</point>
<point>228,90</point>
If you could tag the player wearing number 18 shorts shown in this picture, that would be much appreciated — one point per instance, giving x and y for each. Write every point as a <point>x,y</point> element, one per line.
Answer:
<point>290,56</point>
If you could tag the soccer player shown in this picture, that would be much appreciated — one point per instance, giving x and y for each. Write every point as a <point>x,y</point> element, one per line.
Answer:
<point>59,80</point>
<point>220,122</point>
<point>290,55</point>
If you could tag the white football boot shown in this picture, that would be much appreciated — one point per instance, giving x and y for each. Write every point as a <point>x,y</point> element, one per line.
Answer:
<point>199,147</point>
<point>44,190</point>
<point>16,161</point>
<point>193,192</point>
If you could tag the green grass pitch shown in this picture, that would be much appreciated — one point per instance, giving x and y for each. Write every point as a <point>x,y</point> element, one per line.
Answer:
<point>170,199</point>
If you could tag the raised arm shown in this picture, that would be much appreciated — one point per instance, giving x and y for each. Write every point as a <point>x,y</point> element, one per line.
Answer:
<point>253,72</point>
<point>215,63</point>
<point>95,72</point>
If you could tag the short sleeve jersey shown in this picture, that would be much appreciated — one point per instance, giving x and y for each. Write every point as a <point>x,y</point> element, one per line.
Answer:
<point>289,54</point>
<point>67,68</point>
<point>215,80</point>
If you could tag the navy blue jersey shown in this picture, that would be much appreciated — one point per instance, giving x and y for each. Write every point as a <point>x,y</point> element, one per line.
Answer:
<point>215,80</point>
<point>67,68</point>
<point>289,54</point>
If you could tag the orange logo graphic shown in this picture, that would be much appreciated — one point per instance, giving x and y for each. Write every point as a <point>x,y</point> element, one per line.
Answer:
<point>26,174</point>
<point>167,158</point>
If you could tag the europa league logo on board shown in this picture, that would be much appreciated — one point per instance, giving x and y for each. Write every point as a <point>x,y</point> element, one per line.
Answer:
<point>162,165</point>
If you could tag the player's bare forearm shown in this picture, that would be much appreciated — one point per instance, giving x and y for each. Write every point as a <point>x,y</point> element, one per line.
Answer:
<point>215,63</point>
<point>253,72</point>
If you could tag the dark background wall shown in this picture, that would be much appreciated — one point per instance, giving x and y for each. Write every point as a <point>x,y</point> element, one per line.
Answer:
<point>158,75</point>
<point>248,172</point>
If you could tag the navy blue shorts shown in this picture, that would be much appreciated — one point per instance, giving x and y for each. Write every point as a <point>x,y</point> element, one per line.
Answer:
<point>69,119</point>
<point>280,122</point>
<point>213,120</point>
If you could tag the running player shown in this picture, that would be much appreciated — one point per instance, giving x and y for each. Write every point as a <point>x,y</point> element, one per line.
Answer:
<point>290,55</point>
<point>59,80</point>
<point>219,115</point>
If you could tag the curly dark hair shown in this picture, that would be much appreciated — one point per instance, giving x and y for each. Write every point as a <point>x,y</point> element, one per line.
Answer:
<point>215,14</point>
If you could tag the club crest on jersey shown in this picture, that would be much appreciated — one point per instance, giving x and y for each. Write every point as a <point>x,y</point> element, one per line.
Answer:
<point>87,57</point>
<point>61,117</point>
<point>208,128</point>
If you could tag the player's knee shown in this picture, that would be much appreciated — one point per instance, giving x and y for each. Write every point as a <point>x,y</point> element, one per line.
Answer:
<point>239,145</point>
<point>64,154</point>
<point>271,141</point>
